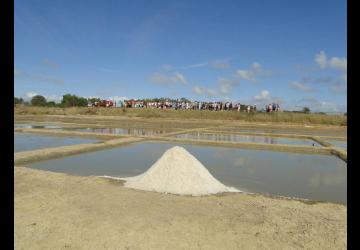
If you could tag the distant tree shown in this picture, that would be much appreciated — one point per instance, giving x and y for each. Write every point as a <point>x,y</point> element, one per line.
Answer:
<point>38,100</point>
<point>306,110</point>
<point>51,104</point>
<point>183,99</point>
<point>93,100</point>
<point>345,114</point>
<point>18,100</point>
<point>73,101</point>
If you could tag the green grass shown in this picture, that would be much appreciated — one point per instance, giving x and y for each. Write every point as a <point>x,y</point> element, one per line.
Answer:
<point>280,117</point>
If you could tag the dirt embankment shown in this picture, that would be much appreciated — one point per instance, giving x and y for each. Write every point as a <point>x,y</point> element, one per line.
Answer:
<point>56,211</point>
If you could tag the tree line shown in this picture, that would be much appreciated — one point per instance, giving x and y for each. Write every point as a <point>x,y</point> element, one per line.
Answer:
<point>68,100</point>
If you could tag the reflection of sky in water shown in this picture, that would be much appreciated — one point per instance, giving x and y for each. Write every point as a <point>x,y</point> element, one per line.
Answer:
<point>24,142</point>
<point>245,138</point>
<point>36,126</point>
<point>318,177</point>
<point>340,144</point>
<point>123,131</point>
<point>119,131</point>
<point>333,132</point>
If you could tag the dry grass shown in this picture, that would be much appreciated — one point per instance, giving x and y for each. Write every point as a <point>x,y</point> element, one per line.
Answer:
<point>281,117</point>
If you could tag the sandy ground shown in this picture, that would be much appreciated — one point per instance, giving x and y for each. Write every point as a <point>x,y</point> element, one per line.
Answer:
<point>60,211</point>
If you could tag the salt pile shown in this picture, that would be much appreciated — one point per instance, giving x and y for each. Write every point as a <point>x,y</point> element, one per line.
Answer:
<point>178,172</point>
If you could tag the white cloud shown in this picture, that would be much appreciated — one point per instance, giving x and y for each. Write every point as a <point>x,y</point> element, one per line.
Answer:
<point>333,63</point>
<point>29,95</point>
<point>118,99</point>
<point>220,64</point>
<point>247,75</point>
<point>204,91</point>
<point>51,64</point>
<point>50,98</point>
<point>316,105</point>
<point>321,59</point>
<point>338,63</point>
<point>339,88</point>
<point>169,78</point>
<point>256,67</point>
<point>301,86</point>
<point>179,78</point>
<point>224,87</point>
<point>53,98</point>
<point>323,79</point>
<point>255,71</point>
<point>198,65</point>
<point>263,96</point>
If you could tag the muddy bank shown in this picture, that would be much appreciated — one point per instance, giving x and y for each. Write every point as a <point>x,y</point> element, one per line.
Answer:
<point>54,211</point>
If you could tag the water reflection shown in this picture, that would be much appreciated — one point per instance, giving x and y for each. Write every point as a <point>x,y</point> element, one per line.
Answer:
<point>317,177</point>
<point>24,142</point>
<point>340,144</point>
<point>332,132</point>
<point>245,138</point>
<point>123,131</point>
<point>36,126</point>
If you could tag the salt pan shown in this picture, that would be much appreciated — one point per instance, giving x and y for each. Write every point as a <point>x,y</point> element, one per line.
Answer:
<point>178,172</point>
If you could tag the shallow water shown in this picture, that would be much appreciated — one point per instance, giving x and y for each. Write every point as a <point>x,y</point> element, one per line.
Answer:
<point>246,138</point>
<point>146,131</point>
<point>317,177</point>
<point>123,131</point>
<point>36,126</point>
<point>24,142</point>
<point>341,144</point>
<point>316,132</point>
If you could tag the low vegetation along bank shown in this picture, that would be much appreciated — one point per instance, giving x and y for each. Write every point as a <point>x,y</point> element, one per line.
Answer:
<point>282,117</point>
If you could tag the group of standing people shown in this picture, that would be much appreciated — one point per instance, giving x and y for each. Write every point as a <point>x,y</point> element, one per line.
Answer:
<point>272,107</point>
<point>198,105</point>
<point>195,105</point>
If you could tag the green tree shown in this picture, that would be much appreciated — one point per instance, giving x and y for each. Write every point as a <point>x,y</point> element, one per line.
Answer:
<point>38,100</point>
<point>18,100</point>
<point>51,104</point>
<point>306,110</point>
<point>73,101</point>
<point>93,100</point>
<point>183,99</point>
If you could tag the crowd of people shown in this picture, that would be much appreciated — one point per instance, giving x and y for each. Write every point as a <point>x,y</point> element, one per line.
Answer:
<point>272,107</point>
<point>193,105</point>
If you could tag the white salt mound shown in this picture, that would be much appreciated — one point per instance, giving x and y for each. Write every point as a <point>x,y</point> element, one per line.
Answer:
<point>178,172</point>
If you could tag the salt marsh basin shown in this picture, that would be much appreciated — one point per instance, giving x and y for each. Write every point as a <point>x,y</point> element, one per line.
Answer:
<point>308,176</point>
<point>25,142</point>
<point>69,198</point>
<point>341,144</point>
<point>246,138</point>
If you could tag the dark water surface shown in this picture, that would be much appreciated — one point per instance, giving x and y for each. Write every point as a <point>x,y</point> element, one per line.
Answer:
<point>310,176</point>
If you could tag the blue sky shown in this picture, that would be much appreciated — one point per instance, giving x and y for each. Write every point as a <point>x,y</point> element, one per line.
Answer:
<point>291,52</point>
